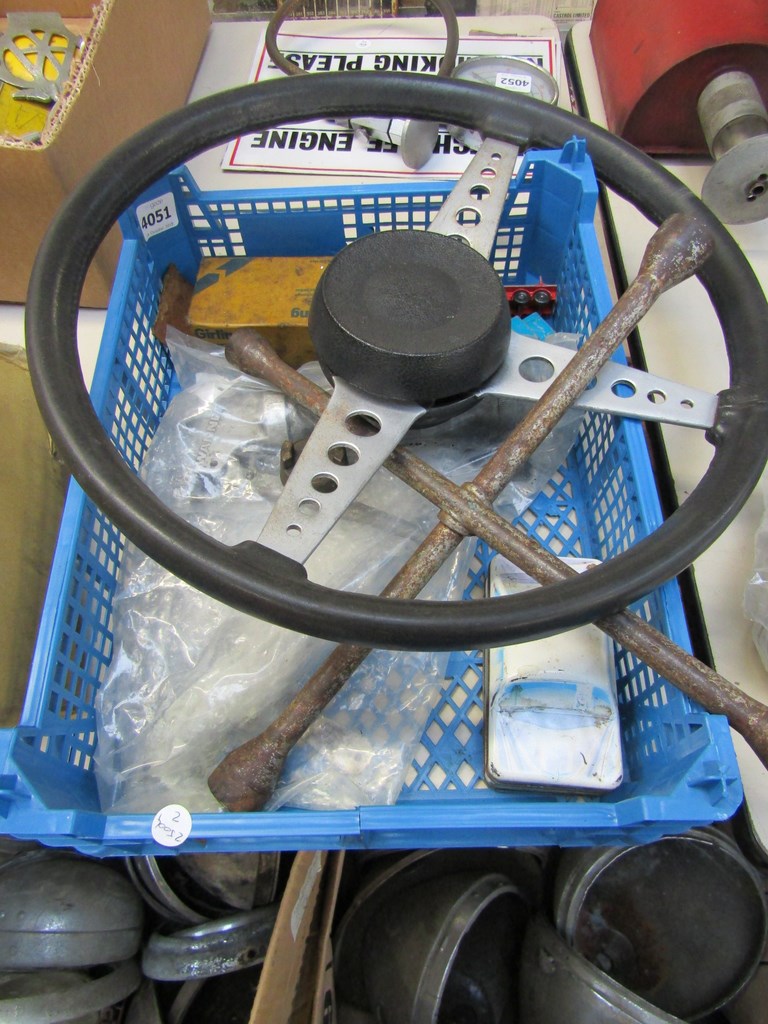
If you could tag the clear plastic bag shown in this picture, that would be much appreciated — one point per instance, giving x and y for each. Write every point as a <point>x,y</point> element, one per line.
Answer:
<point>191,679</point>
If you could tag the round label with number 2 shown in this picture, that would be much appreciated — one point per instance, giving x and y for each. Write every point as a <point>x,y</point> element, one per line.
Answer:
<point>171,825</point>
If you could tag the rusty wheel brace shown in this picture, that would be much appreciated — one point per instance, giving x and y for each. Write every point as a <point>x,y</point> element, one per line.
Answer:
<point>246,778</point>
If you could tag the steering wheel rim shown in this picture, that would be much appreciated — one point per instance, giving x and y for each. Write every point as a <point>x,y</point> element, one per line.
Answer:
<point>254,579</point>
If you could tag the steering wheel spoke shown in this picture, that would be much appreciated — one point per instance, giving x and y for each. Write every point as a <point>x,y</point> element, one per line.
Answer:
<point>351,440</point>
<point>471,213</point>
<point>531,366</point>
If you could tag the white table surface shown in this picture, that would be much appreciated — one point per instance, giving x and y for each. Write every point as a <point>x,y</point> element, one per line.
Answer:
<point>682,340</point>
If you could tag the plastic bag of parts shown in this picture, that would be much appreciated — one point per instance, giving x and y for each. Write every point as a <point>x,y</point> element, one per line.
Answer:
<point>756,590</point>
<point>190,678</point>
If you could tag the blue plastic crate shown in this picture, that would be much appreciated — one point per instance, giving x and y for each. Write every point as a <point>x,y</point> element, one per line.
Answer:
<point>680,769</point>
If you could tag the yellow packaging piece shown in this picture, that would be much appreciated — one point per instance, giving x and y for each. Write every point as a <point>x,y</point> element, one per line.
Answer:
<point>31,499</point>
<point>20,118</point>
<point>270,293</point>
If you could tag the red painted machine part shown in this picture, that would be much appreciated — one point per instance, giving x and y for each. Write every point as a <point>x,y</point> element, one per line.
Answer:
<point>654,57</point>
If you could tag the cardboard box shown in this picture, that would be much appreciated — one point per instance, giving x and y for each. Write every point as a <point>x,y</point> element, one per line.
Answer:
<point>31,498</point>
<point>270,293</point>
<point>138,62</point>
<point>296,984</point>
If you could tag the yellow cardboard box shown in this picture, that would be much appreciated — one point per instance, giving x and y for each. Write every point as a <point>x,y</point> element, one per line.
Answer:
<point>270,293</point>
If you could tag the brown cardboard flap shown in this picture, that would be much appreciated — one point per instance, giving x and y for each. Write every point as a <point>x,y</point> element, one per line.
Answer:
<point>323,1004</point>
<point>279,984</point>
<point>296,985</point>
<point>137,64</point>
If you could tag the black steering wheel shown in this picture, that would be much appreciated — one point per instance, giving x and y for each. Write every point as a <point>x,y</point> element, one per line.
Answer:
<point>253,578</point>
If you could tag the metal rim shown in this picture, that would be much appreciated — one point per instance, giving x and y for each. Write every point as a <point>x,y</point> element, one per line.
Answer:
<point>256,580</point>
<point>233,881</point>
<point>67,1003</point>
<point>547,83</point>
<point>155,890</point>
<point>561,978</point>
<point>207,950</point>
<point>410,871</point>
<point>468,911</point>
<point>50,920</point>
<point>580,872</point>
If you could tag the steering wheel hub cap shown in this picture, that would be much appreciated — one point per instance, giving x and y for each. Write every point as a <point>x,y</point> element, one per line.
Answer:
<point>411,316</point>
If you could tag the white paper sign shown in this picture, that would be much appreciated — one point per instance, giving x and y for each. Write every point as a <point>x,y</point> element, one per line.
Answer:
<point>322,147</point>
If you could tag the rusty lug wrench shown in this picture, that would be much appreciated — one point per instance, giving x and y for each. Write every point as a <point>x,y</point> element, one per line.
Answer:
<point>246,778</point>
